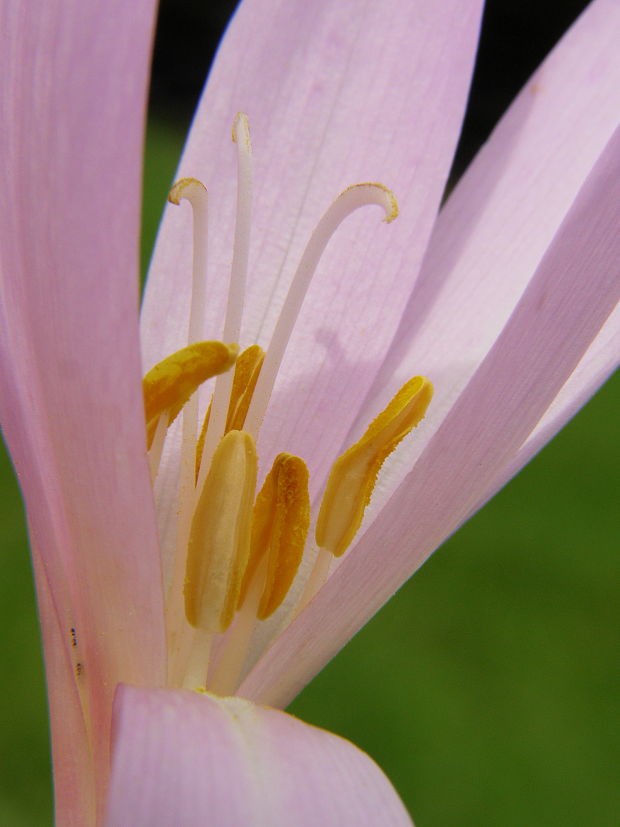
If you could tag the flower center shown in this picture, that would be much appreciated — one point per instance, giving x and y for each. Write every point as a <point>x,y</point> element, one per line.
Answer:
<point>238,552</point>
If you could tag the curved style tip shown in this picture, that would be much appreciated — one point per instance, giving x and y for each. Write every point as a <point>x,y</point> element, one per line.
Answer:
<point>188,188</point>
<point>371,192</point>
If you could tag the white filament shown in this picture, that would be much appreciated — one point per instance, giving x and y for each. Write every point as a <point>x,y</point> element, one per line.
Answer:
<point>236,290</point>
<point>196,667</point>
<point>316,580</point>
<point>194,191</point>
<point>224,678</point>
<point>241,249</point>
<point>359,195</point>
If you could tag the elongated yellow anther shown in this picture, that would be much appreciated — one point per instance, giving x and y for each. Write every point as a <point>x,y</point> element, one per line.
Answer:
<point>219,542</point>
<point>169,384</point>
<point>354,474</point>
<point>247,368</point>
<point>279,529</point>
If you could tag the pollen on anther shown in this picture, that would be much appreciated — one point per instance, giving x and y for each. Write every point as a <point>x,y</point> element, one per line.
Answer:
<point>170,383</point>
<point>219,542</point>
<point>279,528</point>
<point>354,474</point>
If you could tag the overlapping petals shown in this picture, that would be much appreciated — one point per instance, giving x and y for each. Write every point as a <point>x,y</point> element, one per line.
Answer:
<point>558,317</point>
<point>190,759</point>
<point>498,223</point>
<point>486,247</point>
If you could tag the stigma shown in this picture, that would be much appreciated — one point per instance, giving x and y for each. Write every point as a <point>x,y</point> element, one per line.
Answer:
<point>240,546</point>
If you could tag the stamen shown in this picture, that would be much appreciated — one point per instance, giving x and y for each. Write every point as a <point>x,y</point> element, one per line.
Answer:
<point>247,368</point>
<point>195,192</point>
<point>238,276</point>
<point>359,195</point>
<point>354,474</point>
<point>171,382</point>
<point>219,540</point>
<point>279,529</point>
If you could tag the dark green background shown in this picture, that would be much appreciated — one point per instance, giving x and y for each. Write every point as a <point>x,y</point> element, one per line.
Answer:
<point>488,688</point>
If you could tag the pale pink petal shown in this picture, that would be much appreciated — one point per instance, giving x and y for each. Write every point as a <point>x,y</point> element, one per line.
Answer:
<point>564,307</point>
<point>490,238</point>
<point>499,221</point>
<point>335,96</point>
<point>192,760</point>
<point>73,81</point>
<point>74,773</point>
<point>600,360</point>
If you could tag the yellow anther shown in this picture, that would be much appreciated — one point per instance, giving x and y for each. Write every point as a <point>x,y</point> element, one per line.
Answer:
<point>354,474</point>
<point>219,542</point>
<point>279,529</point>
<point>247,368</point>
<point>169,384</point>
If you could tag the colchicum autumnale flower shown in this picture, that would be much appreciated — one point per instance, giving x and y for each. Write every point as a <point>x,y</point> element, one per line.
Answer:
<point>149,590</point>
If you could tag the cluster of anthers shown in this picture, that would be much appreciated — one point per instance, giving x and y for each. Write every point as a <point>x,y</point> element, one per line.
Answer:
<point>238,551</point>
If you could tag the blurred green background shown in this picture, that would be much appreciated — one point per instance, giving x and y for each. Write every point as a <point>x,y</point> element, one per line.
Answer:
<point>487,689</point>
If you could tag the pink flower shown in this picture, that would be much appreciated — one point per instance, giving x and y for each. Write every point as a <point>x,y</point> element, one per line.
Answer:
<point>505,301</point>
